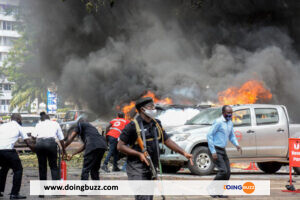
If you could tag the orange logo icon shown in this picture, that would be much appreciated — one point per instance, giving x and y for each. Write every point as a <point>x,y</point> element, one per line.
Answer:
<point>248,187</point>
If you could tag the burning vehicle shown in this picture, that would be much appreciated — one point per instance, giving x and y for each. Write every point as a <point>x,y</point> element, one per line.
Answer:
<point>261,129</point>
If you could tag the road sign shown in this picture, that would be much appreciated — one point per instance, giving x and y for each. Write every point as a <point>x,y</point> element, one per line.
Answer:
<point>294,152</point>
<point>294,159</point>
<point>51,102</point>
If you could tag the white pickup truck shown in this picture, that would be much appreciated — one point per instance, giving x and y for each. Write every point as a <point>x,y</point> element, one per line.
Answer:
<point>261,129</point>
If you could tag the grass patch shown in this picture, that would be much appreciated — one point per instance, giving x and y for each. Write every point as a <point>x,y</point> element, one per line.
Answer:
<point>30,160</point>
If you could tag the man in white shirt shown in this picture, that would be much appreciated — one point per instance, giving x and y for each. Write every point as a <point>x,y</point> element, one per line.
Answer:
<point>46,132</point>
<point>9,159</point>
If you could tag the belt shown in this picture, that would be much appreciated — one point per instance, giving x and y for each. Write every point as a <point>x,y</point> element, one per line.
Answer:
<point>220,148</point>
<point>45,139</point>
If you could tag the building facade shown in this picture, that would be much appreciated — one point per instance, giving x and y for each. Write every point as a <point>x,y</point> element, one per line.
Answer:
<point>8,33</point>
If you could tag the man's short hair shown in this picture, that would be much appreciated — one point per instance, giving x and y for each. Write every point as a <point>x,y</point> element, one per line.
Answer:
<point>16,117</point>
<point>43,116</point>
<point>121,115</point>
<point>224,108</point>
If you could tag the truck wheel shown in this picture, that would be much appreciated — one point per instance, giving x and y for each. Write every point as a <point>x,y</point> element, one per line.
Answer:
<point>269,167</point>
<point>170,169</point>
<point>297,170</point>
<point>203,162</point>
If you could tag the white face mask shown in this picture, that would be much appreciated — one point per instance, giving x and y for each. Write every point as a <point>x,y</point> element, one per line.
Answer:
<point>150,113</point>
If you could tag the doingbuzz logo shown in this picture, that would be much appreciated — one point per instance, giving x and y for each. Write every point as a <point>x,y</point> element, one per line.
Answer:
<point>247,187</point>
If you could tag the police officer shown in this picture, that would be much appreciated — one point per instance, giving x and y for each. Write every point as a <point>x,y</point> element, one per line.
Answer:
<point>46,132</point>
<point>217,138</point>
<point>113,133</point>
<point>137,164</point>
<point>9,159</point>
<point>94,145</point>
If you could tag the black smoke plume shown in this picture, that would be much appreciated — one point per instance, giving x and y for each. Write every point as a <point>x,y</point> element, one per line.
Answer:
<point>191,49</point>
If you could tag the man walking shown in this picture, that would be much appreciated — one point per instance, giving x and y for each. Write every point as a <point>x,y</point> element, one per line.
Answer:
<point>94,145</point>
<point>151,132</point>
<point>217,138</point>
<point>113,133</point>
<point>9,158</point>
<point>46,132</point>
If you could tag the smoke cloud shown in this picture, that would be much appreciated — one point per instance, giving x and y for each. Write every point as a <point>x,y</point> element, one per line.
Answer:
<point>172,47</point>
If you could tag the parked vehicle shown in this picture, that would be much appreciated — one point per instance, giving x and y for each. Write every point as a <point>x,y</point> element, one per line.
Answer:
<point>262,131</point>
<point>71,118</point>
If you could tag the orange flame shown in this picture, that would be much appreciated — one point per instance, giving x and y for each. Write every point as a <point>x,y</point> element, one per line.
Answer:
<point>127,109</point>
<point>249,93</point>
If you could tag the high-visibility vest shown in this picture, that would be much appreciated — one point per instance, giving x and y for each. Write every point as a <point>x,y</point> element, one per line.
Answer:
<point>117,125</point>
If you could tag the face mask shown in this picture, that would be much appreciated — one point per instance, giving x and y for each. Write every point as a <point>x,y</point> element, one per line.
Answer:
<point>228,117</point>
<point>150,113</point>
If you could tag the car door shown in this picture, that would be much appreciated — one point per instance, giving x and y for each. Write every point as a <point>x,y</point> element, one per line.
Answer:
<point>271,128</point>
<point>242,122</point>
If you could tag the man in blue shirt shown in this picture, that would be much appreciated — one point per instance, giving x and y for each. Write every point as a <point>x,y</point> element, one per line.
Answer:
<point>217,138</point>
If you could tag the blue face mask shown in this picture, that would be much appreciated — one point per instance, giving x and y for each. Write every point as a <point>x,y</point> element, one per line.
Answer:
<point>228,117</point>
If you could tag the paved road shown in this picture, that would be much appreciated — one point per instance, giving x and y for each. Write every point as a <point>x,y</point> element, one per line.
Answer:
<point>278,182</point>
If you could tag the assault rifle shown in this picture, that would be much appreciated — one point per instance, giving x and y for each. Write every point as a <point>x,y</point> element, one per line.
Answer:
<point>152,168</point>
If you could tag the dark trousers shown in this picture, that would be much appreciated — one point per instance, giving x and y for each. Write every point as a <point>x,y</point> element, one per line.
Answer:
<point>46,150</point>
<point>112,151</point>
<point>91,164</point>
<point>141,177</point>
<point>9,159</point>
<point>222,164</point>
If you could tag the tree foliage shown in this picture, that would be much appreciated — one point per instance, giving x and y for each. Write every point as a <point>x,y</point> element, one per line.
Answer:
<point>27,86</point>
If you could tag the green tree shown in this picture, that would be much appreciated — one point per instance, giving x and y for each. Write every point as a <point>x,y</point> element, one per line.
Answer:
<point>27,86</point>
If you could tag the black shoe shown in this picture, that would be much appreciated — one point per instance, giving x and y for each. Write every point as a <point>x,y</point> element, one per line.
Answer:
<point>41,196</point>
<point>116,169</point>
<point>223,196</point>
<point>104,168</point>
<point>214,196</point>
<point>17,196</point>
<point>1,194</point>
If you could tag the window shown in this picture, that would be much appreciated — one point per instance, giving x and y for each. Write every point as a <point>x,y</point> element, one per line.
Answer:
<point>7,41</point>
<point>205,117</point>
<point>2,102</point>
<point>241,117</point>
<point>1,87</point>
<point>30,121</point>
<point>7,87</point>
<point>266,116</point>
<point>70,116</point>
<point>6,25</point>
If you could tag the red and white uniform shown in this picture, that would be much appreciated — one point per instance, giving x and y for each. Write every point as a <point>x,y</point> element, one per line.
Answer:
<point>117,125</point>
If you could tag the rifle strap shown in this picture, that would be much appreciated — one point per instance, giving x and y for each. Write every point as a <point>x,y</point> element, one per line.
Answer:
<point>139,130</point>
<point>158,153</point>
<point>159,128</point>
<point>160,132</point>
<point>143,136</point>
